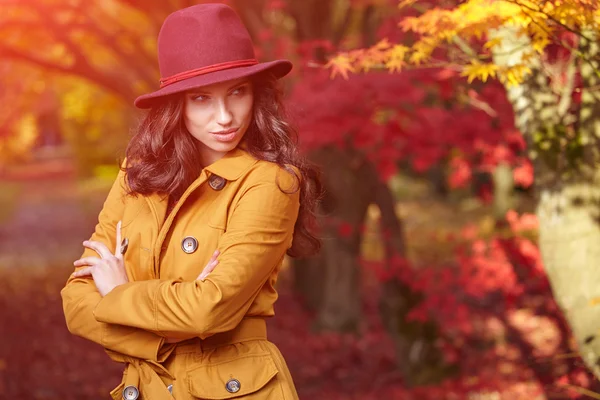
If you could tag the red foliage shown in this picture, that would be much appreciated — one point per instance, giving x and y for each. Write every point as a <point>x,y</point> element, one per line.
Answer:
<point>408,117</point>
<point>480,298</point>
<point>421,118</point>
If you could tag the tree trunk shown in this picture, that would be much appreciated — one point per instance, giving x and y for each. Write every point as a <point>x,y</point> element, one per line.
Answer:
<point>569,213</point>
<point>419,360</point>
<point>567,179</point>
<point>503,190</point>
<point>570,246</point>
<point>330,281</point>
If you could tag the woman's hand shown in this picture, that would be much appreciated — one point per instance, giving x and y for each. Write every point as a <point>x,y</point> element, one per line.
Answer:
<point>108,271</point>
<point>212,263</point>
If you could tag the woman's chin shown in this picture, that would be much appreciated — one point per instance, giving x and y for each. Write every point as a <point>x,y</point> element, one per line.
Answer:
<point>223,147</point>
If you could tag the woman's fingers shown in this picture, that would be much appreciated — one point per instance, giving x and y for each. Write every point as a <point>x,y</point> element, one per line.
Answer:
<point>118,244</point>
<point>207,270</point>
<point>212,263</point>
<point>83,272</point>
<point>99,248</point>
<point>210,266</point>
<point>87,261</point>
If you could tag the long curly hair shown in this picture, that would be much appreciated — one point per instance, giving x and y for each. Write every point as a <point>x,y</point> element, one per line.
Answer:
<point>163,157</point>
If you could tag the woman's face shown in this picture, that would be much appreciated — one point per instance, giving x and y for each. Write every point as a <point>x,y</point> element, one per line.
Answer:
<point>218,116</point>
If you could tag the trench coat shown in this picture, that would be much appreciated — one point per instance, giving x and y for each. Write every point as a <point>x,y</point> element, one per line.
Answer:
<point>237,206</point>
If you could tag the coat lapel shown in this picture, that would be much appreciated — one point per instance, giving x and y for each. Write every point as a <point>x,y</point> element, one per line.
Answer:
<point>231,167</point>
<point>158,205</point>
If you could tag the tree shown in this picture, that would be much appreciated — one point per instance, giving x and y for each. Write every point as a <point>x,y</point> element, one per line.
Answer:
<point>545,54</point>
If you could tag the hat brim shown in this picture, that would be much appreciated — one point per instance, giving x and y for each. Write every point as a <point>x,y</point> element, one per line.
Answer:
<point>279,68</point>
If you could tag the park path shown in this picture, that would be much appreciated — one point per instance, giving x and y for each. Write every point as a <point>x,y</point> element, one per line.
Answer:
<point>46,222</point>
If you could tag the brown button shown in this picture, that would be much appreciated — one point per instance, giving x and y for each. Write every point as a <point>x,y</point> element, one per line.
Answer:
<point>216,182</point>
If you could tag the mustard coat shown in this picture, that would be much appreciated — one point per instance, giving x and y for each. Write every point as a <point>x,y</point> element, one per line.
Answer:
<point>250,221</point>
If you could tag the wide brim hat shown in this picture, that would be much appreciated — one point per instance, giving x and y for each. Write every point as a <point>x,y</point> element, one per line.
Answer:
<point>202,45</point>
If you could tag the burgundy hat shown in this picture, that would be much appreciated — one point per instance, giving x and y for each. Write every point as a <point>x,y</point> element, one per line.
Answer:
<point>202,45</point>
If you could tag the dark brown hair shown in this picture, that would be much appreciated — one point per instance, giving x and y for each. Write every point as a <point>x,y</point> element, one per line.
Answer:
<point>163,157</point>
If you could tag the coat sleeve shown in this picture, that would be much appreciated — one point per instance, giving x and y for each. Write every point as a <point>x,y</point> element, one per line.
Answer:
<point>259,232</point>
<point>80,296</point>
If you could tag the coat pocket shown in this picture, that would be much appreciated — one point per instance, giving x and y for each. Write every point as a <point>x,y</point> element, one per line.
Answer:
<point>218,220</point>
<point>247,377</point>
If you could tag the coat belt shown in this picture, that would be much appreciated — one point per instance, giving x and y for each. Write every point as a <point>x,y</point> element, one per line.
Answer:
<point>144,375</point>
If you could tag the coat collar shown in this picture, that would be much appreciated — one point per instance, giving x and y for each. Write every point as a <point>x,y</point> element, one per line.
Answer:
<point>233,164</point>
<point>231,167</point>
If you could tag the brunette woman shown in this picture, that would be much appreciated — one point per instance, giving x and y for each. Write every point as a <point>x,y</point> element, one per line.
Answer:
<point>179,276</point>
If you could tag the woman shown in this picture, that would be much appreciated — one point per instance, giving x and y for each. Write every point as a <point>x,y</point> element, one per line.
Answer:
<point>212,179</point>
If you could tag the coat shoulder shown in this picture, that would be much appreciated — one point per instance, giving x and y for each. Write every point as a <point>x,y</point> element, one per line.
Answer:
<point>286,177</point>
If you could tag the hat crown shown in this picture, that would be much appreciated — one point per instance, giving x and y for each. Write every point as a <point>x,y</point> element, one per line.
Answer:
<point>201,36</point>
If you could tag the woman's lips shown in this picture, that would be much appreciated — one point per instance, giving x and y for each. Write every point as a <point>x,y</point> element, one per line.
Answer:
<point>225,136</point>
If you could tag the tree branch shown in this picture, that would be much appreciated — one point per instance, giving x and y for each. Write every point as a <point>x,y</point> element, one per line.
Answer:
<point>140,69</point>
<point>81,70</point>
<point>550,17</point>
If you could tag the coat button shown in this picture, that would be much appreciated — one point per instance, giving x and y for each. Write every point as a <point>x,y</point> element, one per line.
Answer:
<point>189,244</point>
<point>124,245</point>
<point>131,393</point>
<point>216,182</point>
<point>233,386</point>
<point>170,388</point>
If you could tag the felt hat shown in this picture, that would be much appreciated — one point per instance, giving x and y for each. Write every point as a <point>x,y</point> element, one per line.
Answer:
<point>202,45</point>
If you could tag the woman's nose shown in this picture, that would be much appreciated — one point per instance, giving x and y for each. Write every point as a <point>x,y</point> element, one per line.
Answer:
<point>224,115</point>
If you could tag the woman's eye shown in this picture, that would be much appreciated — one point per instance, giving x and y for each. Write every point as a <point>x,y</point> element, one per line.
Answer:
<point>239,91</point>
<point>199,98</point>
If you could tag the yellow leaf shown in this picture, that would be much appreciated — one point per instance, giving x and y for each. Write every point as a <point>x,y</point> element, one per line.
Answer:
<point>396,58</point>
<point>515,75</point>
<point>383,44</point>
<point>341,64</point>
<point>490,44</point>
<point>539,44</point>
<point>476,70</point>
<point>366,63</point>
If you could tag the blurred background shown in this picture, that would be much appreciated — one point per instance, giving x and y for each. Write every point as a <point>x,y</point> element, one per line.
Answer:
<point>430,284</point>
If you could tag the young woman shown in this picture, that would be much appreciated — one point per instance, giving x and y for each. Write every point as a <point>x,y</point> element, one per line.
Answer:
<point>180,273</point>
